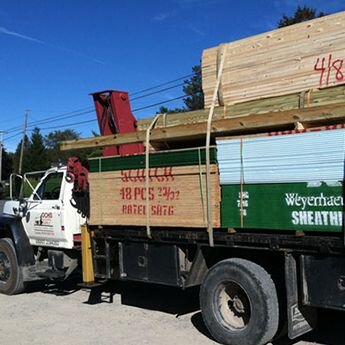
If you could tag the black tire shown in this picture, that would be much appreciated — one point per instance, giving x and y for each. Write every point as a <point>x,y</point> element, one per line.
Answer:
<point>239,303</point>
<point>11,280</point>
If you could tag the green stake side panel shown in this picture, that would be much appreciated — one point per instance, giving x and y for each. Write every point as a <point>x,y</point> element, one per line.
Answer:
<point>160,159</point>
<point>288,206</point>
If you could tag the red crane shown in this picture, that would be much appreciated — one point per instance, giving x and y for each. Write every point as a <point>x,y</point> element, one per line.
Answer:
<point>114,116</point>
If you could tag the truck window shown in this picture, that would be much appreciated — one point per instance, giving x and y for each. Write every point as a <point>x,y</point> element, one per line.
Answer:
<point>50,187</point>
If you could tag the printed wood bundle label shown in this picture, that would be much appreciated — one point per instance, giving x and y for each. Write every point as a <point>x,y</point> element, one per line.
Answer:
<point>288,206</point>
<point>177,197</point>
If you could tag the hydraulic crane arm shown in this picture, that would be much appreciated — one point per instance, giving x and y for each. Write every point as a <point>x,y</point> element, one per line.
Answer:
<point>114,116</point>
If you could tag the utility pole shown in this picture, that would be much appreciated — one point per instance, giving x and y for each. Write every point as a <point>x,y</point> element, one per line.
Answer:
<point>1,134</point>
<point>23,141</point>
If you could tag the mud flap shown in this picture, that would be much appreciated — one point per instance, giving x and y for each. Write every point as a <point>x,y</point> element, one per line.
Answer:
<point>301,319</point>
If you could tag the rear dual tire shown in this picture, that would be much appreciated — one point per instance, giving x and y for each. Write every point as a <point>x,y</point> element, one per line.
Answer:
<point>239,303</point>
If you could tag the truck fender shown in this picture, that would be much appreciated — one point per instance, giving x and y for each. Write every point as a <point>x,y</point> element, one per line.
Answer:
<point>12,227</point>
<point>198,270</point>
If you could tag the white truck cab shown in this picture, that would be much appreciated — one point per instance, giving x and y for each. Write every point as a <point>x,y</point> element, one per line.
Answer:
<point>49,219</point>
<point>39,235</point>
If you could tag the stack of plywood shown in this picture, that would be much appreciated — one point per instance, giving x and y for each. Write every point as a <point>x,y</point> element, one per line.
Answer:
<point>300,57</point>
<point>266,185</point>
<point>177,190</point>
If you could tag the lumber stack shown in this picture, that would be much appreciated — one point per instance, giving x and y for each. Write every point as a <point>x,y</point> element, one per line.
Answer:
<point>297,100</point>
<point>296,58</point>
<point>242,125</point>
<point>176,192</point>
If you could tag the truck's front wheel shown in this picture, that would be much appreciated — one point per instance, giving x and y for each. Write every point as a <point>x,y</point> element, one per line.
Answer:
<point>239,303</point>
<point>11,281</point>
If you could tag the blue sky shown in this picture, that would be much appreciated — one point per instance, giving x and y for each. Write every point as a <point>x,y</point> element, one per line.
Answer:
<point>54,53</point>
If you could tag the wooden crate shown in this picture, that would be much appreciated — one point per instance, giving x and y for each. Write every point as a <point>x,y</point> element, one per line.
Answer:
<point>295,58</point>
<point>177,197</point>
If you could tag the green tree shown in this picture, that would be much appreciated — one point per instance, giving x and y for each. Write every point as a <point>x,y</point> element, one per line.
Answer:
<point>192,89</point>
<point>37,152</point>
<point>163,110</point>
<point>7,164</point>
<point>52,141</point>
<point>301,14</point>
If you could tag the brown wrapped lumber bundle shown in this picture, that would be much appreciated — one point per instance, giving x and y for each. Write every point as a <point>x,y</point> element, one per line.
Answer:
<point>296,58</point>
<point>177,189</point>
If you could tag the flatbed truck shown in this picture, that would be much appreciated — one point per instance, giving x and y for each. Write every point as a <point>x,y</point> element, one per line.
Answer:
<point>255,282</point>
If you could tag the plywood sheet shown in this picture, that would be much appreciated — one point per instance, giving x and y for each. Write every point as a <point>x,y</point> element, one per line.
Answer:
<point>310,157</point>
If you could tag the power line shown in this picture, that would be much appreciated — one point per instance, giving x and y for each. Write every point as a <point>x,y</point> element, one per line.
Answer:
<point>52,127</point>
<point>78,113</point>
<point>87,110</point>
<point>52,117</point>
<point>94,120</point>
<point>69,124</point>
<point>90,110</point>
<point>55,118</point>
<point>61,118</point>
<point>12,136</point>
<point>66,115</point>
<point>155,92</point>
<point>154,105</point>
<point>163,84</point>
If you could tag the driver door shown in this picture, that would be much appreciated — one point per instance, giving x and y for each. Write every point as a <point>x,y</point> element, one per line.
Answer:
<point>43,221</point>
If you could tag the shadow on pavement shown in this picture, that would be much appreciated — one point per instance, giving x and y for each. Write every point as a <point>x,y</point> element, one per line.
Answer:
<point>62,288</point>
<point>199,324</point>
<point>152,297</point>
<point>179,302</point>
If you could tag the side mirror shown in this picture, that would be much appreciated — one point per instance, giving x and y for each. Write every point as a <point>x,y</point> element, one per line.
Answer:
<point>16,182</point>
